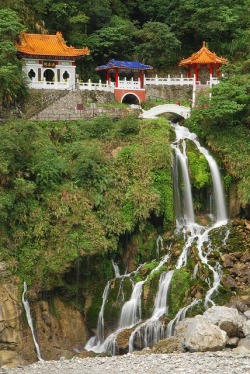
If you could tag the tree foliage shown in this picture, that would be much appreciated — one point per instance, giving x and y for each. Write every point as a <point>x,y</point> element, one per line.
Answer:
<point>12,85</point>
<point>75,190</point>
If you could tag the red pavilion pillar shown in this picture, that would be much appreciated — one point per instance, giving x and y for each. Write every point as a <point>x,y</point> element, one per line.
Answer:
<point>196,72</point>
<point>211,69</point>
<point>116,77</point>
<point>189,72</point>
<point>141,79</point>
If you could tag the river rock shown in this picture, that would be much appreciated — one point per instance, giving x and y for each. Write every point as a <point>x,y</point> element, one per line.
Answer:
<point>241,350</point>
<point>202,336</point>
<point>245,342</point>
<point>228,319</point>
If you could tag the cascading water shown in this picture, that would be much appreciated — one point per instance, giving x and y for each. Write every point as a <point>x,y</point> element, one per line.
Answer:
<point>130,315</point>
<point>116,269</point>
<point>196,236</point>
<point>153,330</point>
<point>187,215</point>
<point>183,133</point>
<point>29,319</point>
<point>159,246</point>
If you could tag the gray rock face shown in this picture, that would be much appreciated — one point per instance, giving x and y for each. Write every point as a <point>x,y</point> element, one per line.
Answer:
<point>227,319</point>
<point>203,336</point>
<point>10,335</point>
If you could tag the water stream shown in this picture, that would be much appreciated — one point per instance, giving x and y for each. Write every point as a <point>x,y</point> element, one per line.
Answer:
<point>30,322</point>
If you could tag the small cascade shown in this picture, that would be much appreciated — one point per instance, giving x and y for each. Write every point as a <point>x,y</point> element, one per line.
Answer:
<point>130,315</point>
<point>180,316</point>
<point>159,246</point>
<point>99,338</point>
<point>30,322</point>
<point>116,269</point>
<point>151,331</point>
<point>131,310</point>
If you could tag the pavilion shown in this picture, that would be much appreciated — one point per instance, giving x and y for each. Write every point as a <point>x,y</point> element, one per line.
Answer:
<point>203,58</point>
<point>47,61</point>
<point>127,79</point>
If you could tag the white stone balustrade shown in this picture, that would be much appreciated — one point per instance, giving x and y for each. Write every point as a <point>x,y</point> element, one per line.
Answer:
<point>47,85</point>
<point>170,81</point>
<point>95,86</point>
<point>122,83</point>
<point>131,84</point>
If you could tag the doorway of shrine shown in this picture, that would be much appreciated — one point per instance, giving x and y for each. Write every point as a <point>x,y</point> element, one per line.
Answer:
<point>49,75</point>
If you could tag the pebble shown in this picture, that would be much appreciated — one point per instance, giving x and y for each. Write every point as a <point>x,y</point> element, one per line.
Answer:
<point>188,363</point>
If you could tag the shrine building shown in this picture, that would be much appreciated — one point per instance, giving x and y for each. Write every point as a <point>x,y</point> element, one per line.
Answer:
<point>48,62</point>
<point>127,79</point>
<point>203,59</point>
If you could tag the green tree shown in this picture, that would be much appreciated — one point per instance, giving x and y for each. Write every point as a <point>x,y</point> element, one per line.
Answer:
<point>12,85</point>
<point>157,45</point>
<point>113,41</point>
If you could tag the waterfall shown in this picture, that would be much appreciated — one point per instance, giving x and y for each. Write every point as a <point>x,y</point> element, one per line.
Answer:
<point>29,319</point>
<point>187,215</point>
<point>196,237</point>
<point>183,133</point>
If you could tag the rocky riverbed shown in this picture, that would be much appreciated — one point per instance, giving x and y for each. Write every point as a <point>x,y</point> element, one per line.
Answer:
<point>205,363</point>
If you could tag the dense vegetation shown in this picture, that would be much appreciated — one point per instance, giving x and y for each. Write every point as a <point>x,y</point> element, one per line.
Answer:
<point>72,189</point>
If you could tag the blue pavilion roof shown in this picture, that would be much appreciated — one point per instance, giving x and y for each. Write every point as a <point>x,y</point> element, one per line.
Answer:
<point>113,64</point>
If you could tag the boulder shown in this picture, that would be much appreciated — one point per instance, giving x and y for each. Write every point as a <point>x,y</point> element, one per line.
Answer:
<point>181,326</point>
<point>247,314</point>
<point>241,350</point>
<point>245,342</point>
<point>227,319</point>
<point>173,344</point>
<point>246,328</point>
<point>202,336</point>
<point>232,342</point>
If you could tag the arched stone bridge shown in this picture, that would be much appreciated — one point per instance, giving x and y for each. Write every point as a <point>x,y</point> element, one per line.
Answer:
<point>182,111</point>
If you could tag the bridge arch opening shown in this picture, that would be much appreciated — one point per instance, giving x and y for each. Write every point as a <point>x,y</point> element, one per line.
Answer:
<point>130,99</point>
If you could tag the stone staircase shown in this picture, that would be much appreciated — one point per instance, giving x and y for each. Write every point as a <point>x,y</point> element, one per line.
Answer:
<point>64,108</point>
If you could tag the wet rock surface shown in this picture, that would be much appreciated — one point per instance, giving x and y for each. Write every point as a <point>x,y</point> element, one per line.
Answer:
<point>205,363</point>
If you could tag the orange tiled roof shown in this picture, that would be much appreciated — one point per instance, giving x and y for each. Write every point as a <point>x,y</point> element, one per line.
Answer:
<point>203,56</point>
<point>47,45</point>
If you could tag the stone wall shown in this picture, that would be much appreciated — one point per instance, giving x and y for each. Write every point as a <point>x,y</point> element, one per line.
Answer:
<point>170,93</point>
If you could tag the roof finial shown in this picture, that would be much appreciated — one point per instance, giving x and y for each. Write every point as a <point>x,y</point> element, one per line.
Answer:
<point>204,43</point>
